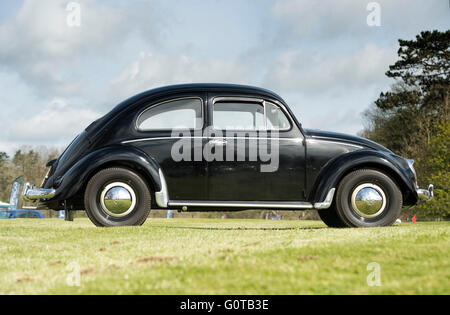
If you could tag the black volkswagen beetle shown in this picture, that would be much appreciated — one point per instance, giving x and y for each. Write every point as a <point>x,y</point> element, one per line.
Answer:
<point>210,147</point>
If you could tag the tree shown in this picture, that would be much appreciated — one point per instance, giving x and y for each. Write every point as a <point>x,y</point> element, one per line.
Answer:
<point>3,157</point>
<point>412,118</point>
<point>424,68</point>
<point>3,174</point>
<point>436,166</point>
<point>418,99</point>
<point>27,162</point>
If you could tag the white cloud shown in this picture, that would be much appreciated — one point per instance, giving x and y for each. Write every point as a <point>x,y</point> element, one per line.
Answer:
<point>320,18</point>
<point>48,54</point>
<point>57,123</point>
<point>153,70</point>
<point>330,19</point>
<point>321,72</point>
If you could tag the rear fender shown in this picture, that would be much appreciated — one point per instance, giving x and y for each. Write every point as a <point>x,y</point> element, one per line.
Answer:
<point>78,175</point>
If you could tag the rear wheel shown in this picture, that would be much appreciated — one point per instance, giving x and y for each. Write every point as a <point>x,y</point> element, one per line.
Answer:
<point>368,198</point>
<point>117,197</point>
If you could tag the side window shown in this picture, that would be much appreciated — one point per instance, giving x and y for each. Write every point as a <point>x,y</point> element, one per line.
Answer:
<point>238,116</point>
<point>249,116</point>
<point>177,114</point>
<point>276,119</point>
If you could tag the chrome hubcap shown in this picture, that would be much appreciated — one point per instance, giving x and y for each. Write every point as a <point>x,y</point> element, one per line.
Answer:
<point>368,200</point>
<point>118,199</point>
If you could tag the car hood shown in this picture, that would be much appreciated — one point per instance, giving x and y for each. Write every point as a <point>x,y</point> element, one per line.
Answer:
<point>344,138</point>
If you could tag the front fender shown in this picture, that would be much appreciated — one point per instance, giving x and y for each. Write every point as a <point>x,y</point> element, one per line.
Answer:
<point>74,179</point>
<point>335,170</point>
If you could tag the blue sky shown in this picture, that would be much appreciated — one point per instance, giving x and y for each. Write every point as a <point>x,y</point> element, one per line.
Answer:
<point>321,56</point>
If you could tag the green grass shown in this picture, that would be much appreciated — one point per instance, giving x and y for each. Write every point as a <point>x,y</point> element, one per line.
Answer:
<point>205,256</point>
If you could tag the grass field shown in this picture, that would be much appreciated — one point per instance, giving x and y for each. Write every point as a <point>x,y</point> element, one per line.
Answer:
<point>205,256</point>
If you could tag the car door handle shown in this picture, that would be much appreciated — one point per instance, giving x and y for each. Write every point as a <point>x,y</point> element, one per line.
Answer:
<point>218,142</point>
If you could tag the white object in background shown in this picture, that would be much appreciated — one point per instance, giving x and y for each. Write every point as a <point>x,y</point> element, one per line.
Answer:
<point>398,221</point>
<point>15,190</point>
<point>4,205</point>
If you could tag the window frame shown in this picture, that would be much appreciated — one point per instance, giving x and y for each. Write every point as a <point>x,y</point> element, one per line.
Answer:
<point>261,101</point>
<point>150,107</point>
<point>288,117</point>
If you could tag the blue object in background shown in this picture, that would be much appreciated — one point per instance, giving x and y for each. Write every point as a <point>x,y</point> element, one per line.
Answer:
<point>20,214</point>
<point>12,212</point>
<point>61,214</point>
<point>170,214</point>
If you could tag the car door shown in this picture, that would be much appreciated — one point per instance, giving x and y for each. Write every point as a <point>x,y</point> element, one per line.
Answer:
<point>258,151</point>
<point>170,131</point>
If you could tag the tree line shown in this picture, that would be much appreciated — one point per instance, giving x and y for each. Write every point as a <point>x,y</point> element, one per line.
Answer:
<point>27,162</point>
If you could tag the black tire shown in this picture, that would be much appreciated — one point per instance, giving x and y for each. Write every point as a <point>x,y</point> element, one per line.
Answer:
<point>136,214</point>
<point>386,188</point>
<point>331,218</point>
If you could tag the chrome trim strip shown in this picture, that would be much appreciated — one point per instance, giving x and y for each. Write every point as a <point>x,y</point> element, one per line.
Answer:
<point>30,193</point>
<point>159,138</point>
<point>256,204</point>
<point>162,196</point>
<point>212,138</point>
<point>327,202</point>
<point>258,138</point>
<point>237,99</point>
<point>337,142</point>
<point>243,204</point>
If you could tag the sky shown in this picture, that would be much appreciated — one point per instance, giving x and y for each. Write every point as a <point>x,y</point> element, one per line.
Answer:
<point>322,57</point>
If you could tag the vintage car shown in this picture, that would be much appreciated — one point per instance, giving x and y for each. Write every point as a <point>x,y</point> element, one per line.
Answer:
<point>216,147</point>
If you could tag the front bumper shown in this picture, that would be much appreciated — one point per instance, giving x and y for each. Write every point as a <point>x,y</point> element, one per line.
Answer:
<point>30,193</point>
<point>426,194</point>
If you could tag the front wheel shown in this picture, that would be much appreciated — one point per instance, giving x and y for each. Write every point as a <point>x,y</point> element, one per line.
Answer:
<point>331,218</point>
<point>368,198</point>
<point>117,197</point>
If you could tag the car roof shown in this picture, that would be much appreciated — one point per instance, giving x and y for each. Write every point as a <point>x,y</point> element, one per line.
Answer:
<point>180,88</point>
<point>212,86</point>
<point>96,126</point>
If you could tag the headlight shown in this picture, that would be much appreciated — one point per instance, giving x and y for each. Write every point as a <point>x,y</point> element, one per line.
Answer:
<point>411,166</point>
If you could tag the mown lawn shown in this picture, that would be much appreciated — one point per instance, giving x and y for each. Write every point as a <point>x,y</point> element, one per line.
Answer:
<point>206,256</point>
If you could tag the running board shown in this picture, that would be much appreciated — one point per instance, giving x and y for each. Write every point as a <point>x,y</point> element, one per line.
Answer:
<point>256,204</point>
<point>250,204</point>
